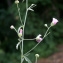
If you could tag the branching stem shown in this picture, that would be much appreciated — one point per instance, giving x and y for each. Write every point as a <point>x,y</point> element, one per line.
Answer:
<point>19,14</point>
<point>46,34</point>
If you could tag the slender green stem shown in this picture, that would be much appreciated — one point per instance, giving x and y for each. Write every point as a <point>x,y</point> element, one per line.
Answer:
<point>26,12</point>
<point>46,34</point>
<point>22,47</point>
<point>19,14</point>
<point>36,60</point>
<point>15,30</point>
<point>25,16</point>
<point>32,48</point>
<point>23,29</point>
<point>22,51</point>
<point>35,45</point>
<point>24,23</point>
<point>47,31</point>
<point>29,39</point>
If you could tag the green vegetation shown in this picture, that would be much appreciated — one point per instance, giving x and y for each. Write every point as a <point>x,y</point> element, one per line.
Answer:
<point>43,13</point>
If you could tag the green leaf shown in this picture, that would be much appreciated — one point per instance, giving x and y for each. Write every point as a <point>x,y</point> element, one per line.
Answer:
<point>22,59</point>
<point>27,59</point>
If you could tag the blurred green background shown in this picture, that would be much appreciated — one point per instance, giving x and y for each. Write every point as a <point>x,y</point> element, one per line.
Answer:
<point>43,13</point>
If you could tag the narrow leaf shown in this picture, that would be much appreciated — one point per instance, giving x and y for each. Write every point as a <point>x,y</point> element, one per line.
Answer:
<point>27,59</point>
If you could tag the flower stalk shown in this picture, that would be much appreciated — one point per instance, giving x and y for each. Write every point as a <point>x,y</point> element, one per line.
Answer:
<point>36,55</point>
<point>19,14</point>
<point>21,30</point>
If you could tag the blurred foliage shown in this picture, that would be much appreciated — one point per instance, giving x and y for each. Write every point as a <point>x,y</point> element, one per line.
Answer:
<point>43,13</point>
<point>7,36</point>
<point>13,57</point>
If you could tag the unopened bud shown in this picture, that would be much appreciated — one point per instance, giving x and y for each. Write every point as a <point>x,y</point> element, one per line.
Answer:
<point>16,2</point>
<point>20,33</point>
<point>37,55</point>
<point>12,27</point>
<point>45,25</point>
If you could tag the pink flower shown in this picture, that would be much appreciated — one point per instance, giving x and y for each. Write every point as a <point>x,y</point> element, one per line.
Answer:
<point>54,22</point>
<point>20,33</point>
<point>38,38</point>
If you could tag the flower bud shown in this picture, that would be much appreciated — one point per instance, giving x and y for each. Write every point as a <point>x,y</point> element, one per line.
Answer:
<point>20,33</point>
<point>12,27</point>
<point>45,25</point>
<point>38,38</point>
<point>16,1</point>
<point>37,55</point>
<point>54,22</point>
